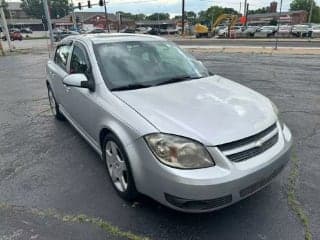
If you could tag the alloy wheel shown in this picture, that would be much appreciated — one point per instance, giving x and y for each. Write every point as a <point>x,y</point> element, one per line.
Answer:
<point>116,166</point>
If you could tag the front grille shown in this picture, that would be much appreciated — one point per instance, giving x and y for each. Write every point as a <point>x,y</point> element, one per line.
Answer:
<point>241,156</point>
<point>248,147</point>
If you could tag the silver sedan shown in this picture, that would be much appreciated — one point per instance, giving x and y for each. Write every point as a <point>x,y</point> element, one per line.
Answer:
<point>163,124</point>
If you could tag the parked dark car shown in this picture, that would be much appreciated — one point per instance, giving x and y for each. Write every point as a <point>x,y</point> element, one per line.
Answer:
<point>154,31</point>
<point>97,30</point>
<point>128,30</point>
<point>13,36</point>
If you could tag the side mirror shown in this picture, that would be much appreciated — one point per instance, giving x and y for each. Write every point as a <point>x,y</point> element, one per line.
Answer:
<point>77,80</point>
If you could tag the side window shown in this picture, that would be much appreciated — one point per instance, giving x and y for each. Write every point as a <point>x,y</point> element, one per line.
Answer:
<point>78,62</point>
<point>61,56</point>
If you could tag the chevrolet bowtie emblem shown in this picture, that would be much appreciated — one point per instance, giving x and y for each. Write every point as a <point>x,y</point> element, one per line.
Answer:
<point>259,143</point>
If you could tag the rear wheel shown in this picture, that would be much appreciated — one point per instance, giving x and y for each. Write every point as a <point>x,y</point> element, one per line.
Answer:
<point>54,107</point>
<point>118,167</point>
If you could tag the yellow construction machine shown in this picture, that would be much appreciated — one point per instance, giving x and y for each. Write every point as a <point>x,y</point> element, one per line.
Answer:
<point>203,31</point>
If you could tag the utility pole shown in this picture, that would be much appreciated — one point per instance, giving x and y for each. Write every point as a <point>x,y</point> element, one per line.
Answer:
<point>277,33</point>
<point>246,14</point>
<point>106,15</point>
<point>74,19</point>
<point>311,9</point>
<point>46,11</point>
<point>182,17</point>
<point>158,23</point>
<point>245,8</point>
<point>119,21</point>
<point>5,27</point>
<point>73,16</point>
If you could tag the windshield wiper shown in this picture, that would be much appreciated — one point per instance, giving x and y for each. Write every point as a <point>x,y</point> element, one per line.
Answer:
<point>130,87</point>
<point>177,79</point>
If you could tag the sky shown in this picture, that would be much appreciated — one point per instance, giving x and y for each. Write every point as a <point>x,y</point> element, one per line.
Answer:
<point>173,6</point>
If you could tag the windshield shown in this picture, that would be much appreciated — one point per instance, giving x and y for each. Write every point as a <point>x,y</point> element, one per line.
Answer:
<point>145,63</point>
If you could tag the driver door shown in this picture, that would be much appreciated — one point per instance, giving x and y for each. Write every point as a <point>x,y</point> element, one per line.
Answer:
<point>79,102</point>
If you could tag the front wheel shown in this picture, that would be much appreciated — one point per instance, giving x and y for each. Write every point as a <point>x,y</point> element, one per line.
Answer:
<point>54,107</point>
<point>118,167</point>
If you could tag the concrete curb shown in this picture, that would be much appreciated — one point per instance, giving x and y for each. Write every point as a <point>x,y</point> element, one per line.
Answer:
<point>256,50</point>
<point>245,39</point>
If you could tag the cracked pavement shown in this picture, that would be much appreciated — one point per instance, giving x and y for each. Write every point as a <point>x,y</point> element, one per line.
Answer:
<point>45,164</point>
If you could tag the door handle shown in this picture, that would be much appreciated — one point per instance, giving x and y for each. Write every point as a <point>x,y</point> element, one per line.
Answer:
<point>52,73</point>
<point>67,88</point>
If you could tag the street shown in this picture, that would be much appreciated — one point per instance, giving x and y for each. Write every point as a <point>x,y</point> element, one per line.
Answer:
<point>294,43</point>
<point>54,186</point>
<point>42,44</point>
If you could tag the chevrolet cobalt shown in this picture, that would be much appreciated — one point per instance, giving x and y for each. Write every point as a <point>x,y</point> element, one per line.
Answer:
<point>163,124</point>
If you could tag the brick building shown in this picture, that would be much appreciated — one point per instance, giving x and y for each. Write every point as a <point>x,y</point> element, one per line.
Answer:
<point>93,19</point>
<point>292,18</point>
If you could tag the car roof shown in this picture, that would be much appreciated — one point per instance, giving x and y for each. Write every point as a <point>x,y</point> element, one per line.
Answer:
<point>113,37</point>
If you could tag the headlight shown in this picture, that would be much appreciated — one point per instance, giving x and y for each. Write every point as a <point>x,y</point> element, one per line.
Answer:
<point>179,152</point>
<point>276,110</point>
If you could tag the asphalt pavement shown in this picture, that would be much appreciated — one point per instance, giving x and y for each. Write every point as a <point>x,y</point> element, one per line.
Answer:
<point>54,186</point>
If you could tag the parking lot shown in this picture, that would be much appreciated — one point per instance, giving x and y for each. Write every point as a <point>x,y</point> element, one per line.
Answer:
<point>54,186</point>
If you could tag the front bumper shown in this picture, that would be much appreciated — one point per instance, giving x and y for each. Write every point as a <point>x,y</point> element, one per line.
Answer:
<point>207,189</point>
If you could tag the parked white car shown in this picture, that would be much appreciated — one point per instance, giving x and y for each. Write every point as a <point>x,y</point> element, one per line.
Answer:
<point>285,29</point>
<point>315,29</point>
<point>301,30</point>
<point>266,31</point>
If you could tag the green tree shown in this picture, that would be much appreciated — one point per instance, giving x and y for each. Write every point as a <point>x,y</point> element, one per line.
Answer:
<point>190,16</point>
<point>140,16</point>
<point>306,5</point>
<point>160,16</point>
<point>34,8</point>
<point>212,13</point>
<point>273,22</point>
<point>130,16</point>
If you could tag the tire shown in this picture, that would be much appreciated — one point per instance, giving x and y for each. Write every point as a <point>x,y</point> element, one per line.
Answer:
<point>54,106</point>
<point>118,167</point>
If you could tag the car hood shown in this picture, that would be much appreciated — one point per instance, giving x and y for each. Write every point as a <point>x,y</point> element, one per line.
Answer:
<point>212,110</point>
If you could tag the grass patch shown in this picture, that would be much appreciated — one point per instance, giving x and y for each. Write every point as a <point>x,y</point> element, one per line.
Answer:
<point>78,218</point>
<point>293,202</point>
